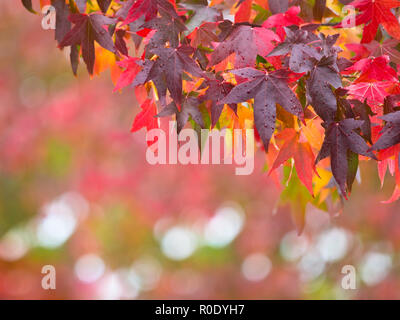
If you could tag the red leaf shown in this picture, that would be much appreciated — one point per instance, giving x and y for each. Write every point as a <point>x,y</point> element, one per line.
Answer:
<point>301,153</point>
<point>372,14</point>
<point>145,118</point>
<point>128,75</point>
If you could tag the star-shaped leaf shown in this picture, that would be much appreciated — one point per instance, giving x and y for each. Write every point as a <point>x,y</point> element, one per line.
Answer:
<point>190,108</point>
<point>302,154</point>
<point>216,91</point>
<point>268,90</point>
<point>390,133</point>
<point>246,42</point>
<point>88,29</point>
<point>340,139</point>
<point>149,9</point>
<point>166,71</point>
<point>374,13</point>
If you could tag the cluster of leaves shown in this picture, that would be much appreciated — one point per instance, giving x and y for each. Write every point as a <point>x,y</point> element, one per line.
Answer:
<point>312,88</point>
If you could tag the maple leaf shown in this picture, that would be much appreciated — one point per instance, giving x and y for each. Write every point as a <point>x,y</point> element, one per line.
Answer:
<point>374,13</point>
<point>86,30</point>
<point>246,42</point>
<point>146,117</point>
<point>340,142</point>
<point>390,133</point>
<point>167,70</point>
<point>190,108</point>
<point>267,89</point>
<point>302,154</point>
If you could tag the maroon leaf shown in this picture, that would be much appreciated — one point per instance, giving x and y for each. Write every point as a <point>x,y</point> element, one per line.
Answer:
<point>390,133</point>
<point>324,75</point>
<point>104,4</point>
<point>63,25</point>
<point>319,9</point>
<point>81,4</point>
<point>149,9</point>
<point>278,6</point>
<point>173,62</point>
<point>120,44</point>
<point>340,138</point>
<point>28,5</point>
<point>246,42</point>
<point>217,91</point>
<point>86,30</point>
<point>168,30</point>
<point>267,91</point>
<point>190,108</point>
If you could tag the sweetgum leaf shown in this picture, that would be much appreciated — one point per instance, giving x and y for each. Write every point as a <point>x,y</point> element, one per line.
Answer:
<point>167,29</point>
<point>104,4</point>
<point>362,111</point>
<point>268,90</point>
<point>173,62</point>
<point>340,138</point>
<point>246,42</point>
<point>390,133</point>
<point>28,5</point>
<point>63,25</point>
<point>86,30</point>
<point>373,13</point>
<point>302,154</point>
<point>190,108</point>
<point>294,36</point>
<point>148,9</point>
<point>217,90</point>
<point>278,6</point>
<point>81,4</point>
<point>323,77</point>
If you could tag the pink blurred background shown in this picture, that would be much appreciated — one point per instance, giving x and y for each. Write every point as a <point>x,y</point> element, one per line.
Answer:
<point>77,193</point>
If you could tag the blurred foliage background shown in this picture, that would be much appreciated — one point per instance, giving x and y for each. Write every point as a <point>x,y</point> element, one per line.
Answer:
<point>77,193</point>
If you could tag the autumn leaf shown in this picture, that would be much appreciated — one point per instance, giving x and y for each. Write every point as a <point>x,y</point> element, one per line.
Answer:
<point>267,89</point>
<point>127,77</point>
<point>340,139</point>
<point>217,91</point>
<point>390,133</point>
<point>190,108</point>
<point>374,69</point>
<point>146,117</point>
<point>301,153</point>
<point>374,13</point>
<point>88,29</point>
<point>149,9</point>
<point>246,42</point>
